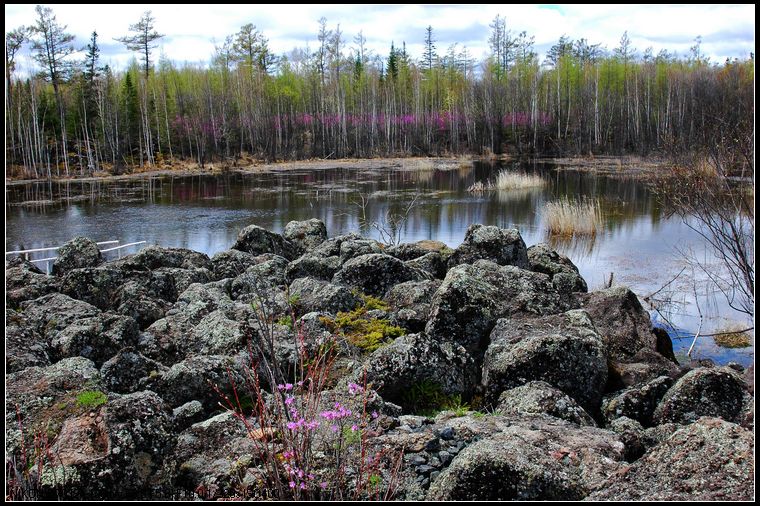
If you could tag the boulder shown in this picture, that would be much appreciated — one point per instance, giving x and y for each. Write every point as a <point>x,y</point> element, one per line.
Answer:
<point>97,338</point>
<point>352,248</point>
<point>710,460</point>
<point>645,366</point>
<point>312,295</point>
<point>717,392</point>
<point>305,235</point>
<point>314,266</point>
<point>410,251</point>
<point>536,397</point>
<point>183,278</point>
<point>135,300</point>
<point>24,346</point>
<point>155,257</point>
<point>503,246</point>
<point>54,312</point>
<point>621,321</point>
<point>261,278</point>
<point>231,263</point>
<point>563,350</point>
<point>256,240</point>
<point>198,377</point>
<point>77,253</point>
<point>374,274</point>
<point>431,263</point>
<point>472,297</point>
<point>410,303</point>
<point>123,373</point>
<point>24,281</point>
<point>416,359</point>
<point>637,402</point>
<point>531,458</point>
<point>544,259</point>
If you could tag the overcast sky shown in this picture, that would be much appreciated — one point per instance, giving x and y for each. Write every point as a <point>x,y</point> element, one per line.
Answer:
<point>192,30</point>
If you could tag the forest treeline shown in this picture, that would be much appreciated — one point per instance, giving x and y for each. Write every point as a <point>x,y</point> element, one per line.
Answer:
<point>77,116</point>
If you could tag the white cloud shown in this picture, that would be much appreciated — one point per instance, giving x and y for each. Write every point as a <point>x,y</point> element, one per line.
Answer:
<point>727,30</point>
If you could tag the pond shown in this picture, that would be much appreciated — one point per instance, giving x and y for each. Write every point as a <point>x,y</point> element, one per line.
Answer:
<point>638,244</point>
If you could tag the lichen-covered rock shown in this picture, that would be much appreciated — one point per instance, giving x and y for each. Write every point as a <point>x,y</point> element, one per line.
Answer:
<point>155,257</point>
<point>194,377</point>
<point>621,321</point>
<point>123,372</point>
<point>231,263</point>
<point>210,455</point>
<point>410,251</point>
<point>537,397</point>
<point>77,253</point>
<point>24,346</point>
<point>375,274</point>
<point>645,366</point>
<point>99,285</point>
<point>503,246</point>
<point>637,402</point>
<point>531,458</point>
<point>544,259</point>
<point>314,295</point>
<point>562,350</point>
<point>414,359</point>
<point>305,235</point>
<point>410,303</point>
<point>431,262</point>
<point>54,312</point>
<point>710,460</point>
<point>314,266</point>
<point>718,392</point>
<point>135,300</point>
<point>261,278</point>
<point>631,434</point>
<point>183,278</point>
<point>24,281</point>
<point>97,338</point>
<point>256,240</point>
<point>352,248</point>
<point>472,297</point>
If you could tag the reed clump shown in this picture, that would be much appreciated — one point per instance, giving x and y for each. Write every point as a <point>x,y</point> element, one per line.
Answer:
<point>571,218</point>
<point>506,180</point>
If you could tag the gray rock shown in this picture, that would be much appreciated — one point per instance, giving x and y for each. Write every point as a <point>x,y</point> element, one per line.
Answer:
<point>97,338</point>
<point>305,235</point>
<point>643,367</point>
<point>472,297</point>
<point>24,346</point>
<point>154,257</point>
<point>544,259</point>
<point>710,460</point>
<point>310,265</point>
<point>415,359</point>
<point>410,303</point>
<point>431,263</point>
<point>503,246</point>
<point>631,434</point>
<point>375,274</point>
<point>256,240</point>
<point>187,414</point>
<point>637,402</point>
<point>719,392</point>
<point>135,300</point>
<point>534,459</point>
<point>78,252</point>
<point>231,263</point>
<point>562,350</point>
<point>123,372</point>
<point>183,278</point>
<point>353,248</point>
<point>261,278</point>
<point>621,321</point>
<point>538,397</point>
<point>54,312</point>
<point>410,251</point>
<point>24,281</point>
<point>195,378</point>
<point>313,295</point>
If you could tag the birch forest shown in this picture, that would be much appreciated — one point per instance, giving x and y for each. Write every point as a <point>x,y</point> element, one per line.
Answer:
<point>75,116</point>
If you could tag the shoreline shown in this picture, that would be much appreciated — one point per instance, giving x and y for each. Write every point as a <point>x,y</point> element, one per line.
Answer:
<point>628,166</point>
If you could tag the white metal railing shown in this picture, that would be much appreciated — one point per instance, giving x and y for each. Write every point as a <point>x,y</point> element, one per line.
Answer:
<point>47,261</point>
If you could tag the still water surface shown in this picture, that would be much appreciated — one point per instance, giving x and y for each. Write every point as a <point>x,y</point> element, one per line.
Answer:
<point>206,212</point>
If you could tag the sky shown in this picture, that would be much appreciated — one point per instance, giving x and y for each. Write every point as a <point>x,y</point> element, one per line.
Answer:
<point>191,31</point>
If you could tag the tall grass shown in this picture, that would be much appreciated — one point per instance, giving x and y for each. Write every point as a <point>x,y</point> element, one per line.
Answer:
<point>506,180</point>
<point>569,218</point>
